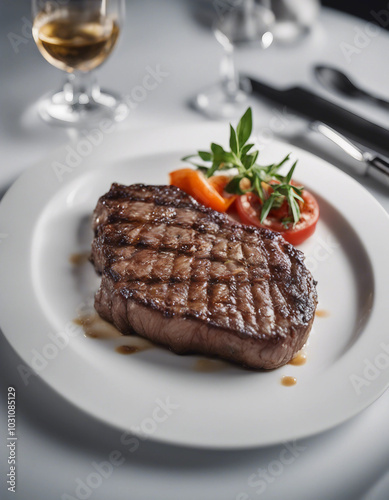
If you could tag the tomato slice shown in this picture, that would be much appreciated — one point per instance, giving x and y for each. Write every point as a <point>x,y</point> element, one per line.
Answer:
<point>249,208</point>
<point>209,192</point>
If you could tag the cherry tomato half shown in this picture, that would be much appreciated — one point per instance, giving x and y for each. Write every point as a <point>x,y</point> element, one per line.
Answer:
<point>249,209</point>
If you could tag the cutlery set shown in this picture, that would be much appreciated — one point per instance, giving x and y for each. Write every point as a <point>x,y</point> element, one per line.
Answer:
<point>338,124</point>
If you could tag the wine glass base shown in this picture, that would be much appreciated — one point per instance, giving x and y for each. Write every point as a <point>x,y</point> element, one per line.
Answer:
<point>216,103</point>
<point>55,108</point>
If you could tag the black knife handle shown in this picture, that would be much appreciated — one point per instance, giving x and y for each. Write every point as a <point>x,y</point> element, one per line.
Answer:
<point>308,104</point>
<point>379,169</point>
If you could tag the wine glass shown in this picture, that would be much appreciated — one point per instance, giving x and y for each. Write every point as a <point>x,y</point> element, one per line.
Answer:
<point>77,36</point>
<point>243,23</point>
<point>292,18</point>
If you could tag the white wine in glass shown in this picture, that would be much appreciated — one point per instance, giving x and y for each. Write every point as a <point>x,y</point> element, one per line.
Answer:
<point>77,36</point>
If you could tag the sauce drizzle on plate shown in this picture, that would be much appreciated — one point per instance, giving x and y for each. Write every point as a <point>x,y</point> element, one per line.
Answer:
<point>288,381</point>
<point>127,349</point>
<point>78,259</point>
<point>322,313</point>
<point>299,359</point>
<point>96,328</point>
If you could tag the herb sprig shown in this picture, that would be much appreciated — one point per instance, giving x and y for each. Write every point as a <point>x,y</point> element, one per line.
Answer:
<point>265,181</point>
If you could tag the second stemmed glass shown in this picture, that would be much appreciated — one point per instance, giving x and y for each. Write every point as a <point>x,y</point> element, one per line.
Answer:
<point>243,24</point>
<point>77,36</point>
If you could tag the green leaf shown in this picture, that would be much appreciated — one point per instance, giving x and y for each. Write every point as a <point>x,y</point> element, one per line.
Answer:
<point>213,169</point>
<point>245,149</point>
<point>233,140</point>
<point>283,161</point>
<point>246,161</point>
<point>217,151</point>
<point>278,201</point>
<point>197,165</point>
<point>245,127</point>
<point>288,177</point>
<point>221,156</point>
<point>205,155</point>
<point>233,187</point>
<point>249,160</point>
<point>258,188</point>
<point>254,157</point>
<point>273,168</point>
<point>229,158</point>
<point>259,171</point>
<point>186,158</point>
<point>298,189</point>
<point>297,196</point>
<point>294,207</point>
<point>266,207</point>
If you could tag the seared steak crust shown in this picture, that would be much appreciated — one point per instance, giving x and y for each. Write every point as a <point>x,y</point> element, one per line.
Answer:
<point>190,278</point>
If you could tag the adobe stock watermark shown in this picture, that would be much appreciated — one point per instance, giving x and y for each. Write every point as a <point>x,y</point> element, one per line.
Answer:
<point>321,252</point>
<point>41,358</point>
<point>24,35</point>
<point>83,148</point>
<point>57,342</point>
<point>259,481</point>
<point>381,16</point>
<point>371,371</point>
<point>101,471</point>
<point>362,37</point>
<point>280,120</point>
<point>75,154</point>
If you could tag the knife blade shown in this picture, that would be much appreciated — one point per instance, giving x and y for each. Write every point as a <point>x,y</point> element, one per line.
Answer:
<point>375,166</point>
<point>306,103</point>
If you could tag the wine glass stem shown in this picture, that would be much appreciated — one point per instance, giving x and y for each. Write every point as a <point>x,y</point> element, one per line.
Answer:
<point>230,78</point>
<point>80,88</point>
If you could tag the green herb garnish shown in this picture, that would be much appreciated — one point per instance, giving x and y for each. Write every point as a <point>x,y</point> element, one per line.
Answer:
<point>252,177</point>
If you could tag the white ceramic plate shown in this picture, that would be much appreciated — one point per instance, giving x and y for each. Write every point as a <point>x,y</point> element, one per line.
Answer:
<point>43,220</point>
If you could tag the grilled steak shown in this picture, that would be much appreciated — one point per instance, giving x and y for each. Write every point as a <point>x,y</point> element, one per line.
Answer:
<point>190,278</point>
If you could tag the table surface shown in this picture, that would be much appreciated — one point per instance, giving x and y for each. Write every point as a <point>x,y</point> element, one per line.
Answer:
<point>57,443</point>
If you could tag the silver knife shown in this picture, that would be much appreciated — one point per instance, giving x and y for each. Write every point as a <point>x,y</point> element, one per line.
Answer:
<point>374,165</point>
